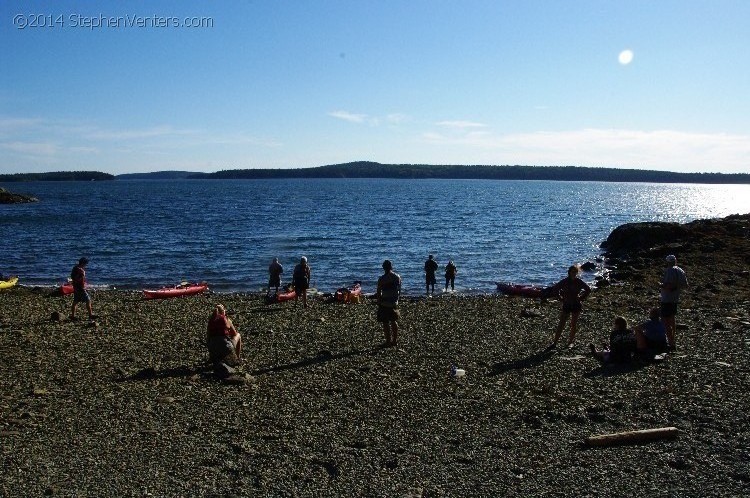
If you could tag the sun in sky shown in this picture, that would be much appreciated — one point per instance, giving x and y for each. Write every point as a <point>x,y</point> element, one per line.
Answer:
<point>625,57</point>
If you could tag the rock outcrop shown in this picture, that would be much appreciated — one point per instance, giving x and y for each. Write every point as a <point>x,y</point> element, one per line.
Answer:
<point>12,198</point>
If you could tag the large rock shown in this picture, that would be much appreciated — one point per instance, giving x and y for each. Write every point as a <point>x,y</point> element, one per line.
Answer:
<point>634,237</point>
<point>11,198</point>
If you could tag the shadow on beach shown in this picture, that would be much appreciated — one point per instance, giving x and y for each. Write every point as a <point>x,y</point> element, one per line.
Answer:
<point>530,361</point>
<point>321,357</point>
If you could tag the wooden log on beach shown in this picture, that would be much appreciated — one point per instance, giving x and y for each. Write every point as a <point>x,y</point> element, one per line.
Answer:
<point>633,437</point>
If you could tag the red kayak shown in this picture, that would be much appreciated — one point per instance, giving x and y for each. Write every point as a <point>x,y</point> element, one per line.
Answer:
<point>285,296</point>
<point>176,291</point>
<point>345,294</point>
<point>66,289</point>
<point>522,290</point>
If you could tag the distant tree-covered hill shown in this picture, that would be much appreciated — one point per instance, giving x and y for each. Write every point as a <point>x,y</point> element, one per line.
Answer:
<point>156,175</point>
<point>366,169</point>
<point>59,176</point>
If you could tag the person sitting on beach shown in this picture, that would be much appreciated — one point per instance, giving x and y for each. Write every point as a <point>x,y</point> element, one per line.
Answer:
<point>387,294</point>
<point>80,295</point>
<point>651,336</point>
<point>450,275</point>
<point>274,271</point>
<point>622,344</point>
<point>223,341</point>
<point>301,279</point>
<point>430,267</point>
<point>572,291</point>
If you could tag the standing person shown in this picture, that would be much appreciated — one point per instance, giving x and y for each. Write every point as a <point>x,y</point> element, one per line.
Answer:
<point>274,271</point>
<point>430,267</point>
<point>301,279</point>
<point>572,291</point>
<point>672,283</point>
<point>222,338</point>
<point>389,289</point>
<point>78,276</point>
<point>450,275</point>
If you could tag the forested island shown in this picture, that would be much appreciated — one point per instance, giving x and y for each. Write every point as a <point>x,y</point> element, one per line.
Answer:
<point>368,169</point>
<point>58,176</point>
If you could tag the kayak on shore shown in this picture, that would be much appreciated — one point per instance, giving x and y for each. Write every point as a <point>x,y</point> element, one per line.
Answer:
<point>183,289</point>
<point>10,282</point>
<point>346,294</point>
<point>532,291</point>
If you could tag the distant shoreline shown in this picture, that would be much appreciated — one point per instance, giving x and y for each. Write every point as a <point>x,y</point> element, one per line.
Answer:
<point>367,169</point>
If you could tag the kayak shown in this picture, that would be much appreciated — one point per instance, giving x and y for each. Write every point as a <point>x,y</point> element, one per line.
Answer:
<point>522,290</point>
<point>345,294</point>
<point>176,291</point>
<point>66,289</point>
<point>7,284</point>
<point>285,296</point>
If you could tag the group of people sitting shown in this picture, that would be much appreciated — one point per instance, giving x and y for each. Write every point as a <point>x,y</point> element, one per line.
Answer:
<point>646,340</point>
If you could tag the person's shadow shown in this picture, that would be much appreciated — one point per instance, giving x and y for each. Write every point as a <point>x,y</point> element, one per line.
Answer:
<point>612,369</point>
<point>530,361</point>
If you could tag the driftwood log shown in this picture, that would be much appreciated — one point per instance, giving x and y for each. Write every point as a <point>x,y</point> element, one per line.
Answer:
<point>633,437</point>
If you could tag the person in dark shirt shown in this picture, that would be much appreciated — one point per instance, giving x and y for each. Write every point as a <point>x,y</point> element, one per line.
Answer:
<point>651,336</point>
<point>622,344</point>
<point>80,295</point>
<point>450,275</point>
<point>274,275</point>
<point>387,294</point>
<point>301,279</point>
<point>572,291</point>
<point>430,267</point>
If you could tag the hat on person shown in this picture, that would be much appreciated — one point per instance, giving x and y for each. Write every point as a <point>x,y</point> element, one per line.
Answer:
<point>671,259</point>
<point>303,260</point>
<point>83,261</point>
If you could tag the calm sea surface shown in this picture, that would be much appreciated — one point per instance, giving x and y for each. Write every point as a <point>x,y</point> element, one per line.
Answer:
<point>140,234</point>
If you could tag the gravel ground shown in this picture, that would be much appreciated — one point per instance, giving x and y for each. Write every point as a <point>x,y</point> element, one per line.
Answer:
<point>128,407</point>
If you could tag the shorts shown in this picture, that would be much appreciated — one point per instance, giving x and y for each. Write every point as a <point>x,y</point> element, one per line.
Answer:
<point>219,348</point>
<point>430,279</point>
<point>274,281</point>
<point>386,314</point>
<point>655,347</point>
<point>301,284</point>
<point>572,307</point>
<point>668,310</point>
<point>81,296</point>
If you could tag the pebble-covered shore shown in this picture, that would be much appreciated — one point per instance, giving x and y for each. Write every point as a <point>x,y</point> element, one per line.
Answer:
<point>126,406</point>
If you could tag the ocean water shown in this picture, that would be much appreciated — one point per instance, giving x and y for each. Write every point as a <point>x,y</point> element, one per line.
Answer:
<point>148,233</point>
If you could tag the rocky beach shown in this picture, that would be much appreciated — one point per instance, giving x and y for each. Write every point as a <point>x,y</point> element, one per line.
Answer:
<point>126,405</point>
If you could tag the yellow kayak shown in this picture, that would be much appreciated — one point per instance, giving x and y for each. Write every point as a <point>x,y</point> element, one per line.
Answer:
<point>7,284</point>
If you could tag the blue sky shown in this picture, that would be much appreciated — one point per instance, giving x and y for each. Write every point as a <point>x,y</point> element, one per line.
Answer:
<point>278,84</point>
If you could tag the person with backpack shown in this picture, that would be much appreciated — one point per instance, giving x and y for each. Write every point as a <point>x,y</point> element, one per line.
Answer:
<point>301,280</point>
<point>387,294</point>
<point>672,283</point>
